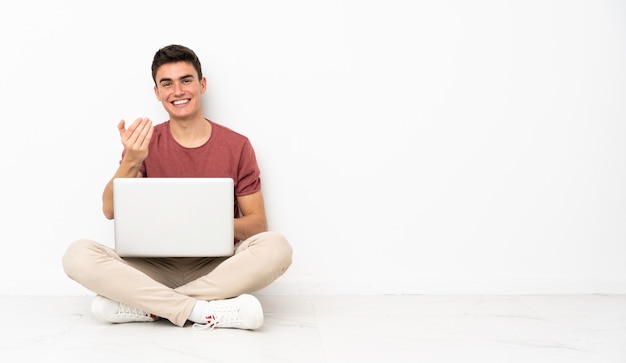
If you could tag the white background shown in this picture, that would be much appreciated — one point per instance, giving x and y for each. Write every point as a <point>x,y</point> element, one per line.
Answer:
<point>406,146</point>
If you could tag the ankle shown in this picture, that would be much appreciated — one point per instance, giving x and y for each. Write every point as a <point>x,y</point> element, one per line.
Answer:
<point>199,312</point>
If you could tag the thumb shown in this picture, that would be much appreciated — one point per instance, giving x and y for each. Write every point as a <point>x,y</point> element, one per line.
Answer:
<point>121,127</point>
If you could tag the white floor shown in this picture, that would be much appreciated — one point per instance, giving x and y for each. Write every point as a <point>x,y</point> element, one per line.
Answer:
<point>389,329</point>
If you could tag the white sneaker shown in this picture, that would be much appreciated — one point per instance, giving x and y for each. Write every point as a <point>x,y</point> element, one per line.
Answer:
<point>116,312</point>
<point>241,312</point>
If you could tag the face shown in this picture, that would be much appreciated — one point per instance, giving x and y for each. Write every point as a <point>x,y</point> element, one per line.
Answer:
<point>179,90</point>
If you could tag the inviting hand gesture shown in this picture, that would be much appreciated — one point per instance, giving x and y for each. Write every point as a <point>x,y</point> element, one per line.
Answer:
<point>136,139</point>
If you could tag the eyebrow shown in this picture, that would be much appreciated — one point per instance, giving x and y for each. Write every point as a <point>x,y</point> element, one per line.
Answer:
<point>181,78</point>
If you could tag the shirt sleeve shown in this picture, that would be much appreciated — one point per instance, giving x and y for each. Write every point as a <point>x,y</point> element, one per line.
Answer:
<point>248,174</point>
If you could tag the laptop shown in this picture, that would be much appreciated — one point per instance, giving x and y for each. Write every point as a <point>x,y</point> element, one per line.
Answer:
<point>173,217</point>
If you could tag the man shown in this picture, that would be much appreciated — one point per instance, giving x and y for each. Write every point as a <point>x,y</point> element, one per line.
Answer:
<point>210,292</point>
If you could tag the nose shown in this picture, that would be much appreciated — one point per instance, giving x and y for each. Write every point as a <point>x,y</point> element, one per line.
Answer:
<point>178,88</point>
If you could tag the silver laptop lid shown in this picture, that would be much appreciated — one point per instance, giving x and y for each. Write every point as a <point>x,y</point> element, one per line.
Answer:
<point>173,217</point>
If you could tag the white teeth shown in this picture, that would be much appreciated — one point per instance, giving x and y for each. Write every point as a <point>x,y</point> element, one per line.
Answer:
<point>180,102</point>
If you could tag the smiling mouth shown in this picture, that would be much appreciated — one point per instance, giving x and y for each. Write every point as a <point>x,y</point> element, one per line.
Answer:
<point>180,102</point>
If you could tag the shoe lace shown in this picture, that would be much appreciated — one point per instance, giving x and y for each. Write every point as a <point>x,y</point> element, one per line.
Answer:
<point>128,311</point>
<point>209,325</point>
<point>224,316</point>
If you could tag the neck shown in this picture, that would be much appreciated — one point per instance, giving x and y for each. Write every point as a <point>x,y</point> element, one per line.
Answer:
<point>191,133</point>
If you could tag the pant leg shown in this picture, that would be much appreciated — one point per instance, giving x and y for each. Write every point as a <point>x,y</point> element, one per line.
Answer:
<point>257,262</point>
<point>101,270</point>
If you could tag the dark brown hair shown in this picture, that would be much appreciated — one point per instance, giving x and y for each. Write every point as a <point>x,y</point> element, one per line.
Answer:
<point>175,53</point>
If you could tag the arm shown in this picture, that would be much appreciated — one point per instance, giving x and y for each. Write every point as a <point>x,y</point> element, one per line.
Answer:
<point>136,141</point>
<point>254,219</point>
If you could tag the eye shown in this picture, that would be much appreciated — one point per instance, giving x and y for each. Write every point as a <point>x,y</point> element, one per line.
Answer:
<point>166,84</point>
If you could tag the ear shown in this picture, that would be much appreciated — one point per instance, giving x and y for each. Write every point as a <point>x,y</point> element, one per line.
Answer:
<point>202,85</point>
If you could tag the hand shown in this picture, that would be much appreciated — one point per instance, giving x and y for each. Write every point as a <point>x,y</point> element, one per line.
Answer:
<point>136,139</point>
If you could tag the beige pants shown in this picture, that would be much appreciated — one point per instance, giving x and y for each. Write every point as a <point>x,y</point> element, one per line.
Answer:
<point>169,287</point>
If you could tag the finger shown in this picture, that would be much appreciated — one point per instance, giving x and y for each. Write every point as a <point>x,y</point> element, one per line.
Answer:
<point>135,124</point>
<point>121,127</point>
<point>132,134</point>
<point>146,135</point>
